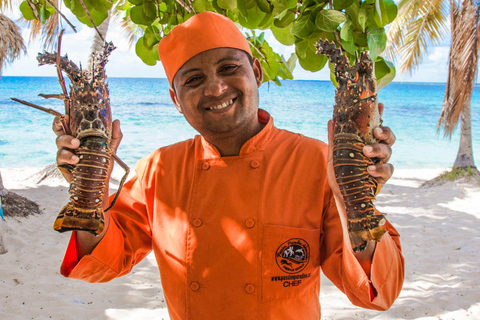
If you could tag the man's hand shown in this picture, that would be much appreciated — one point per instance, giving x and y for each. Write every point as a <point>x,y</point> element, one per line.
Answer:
<point>66,145</point>
<point>382,150</point>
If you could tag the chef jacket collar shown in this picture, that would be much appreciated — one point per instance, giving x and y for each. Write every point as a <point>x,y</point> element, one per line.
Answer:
<point>257,142</point>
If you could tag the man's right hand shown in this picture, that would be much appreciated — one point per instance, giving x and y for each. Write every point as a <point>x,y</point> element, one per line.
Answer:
<point>66,145</point>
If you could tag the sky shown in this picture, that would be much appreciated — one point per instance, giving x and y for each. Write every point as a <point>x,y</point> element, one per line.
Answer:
<point>124,62</point>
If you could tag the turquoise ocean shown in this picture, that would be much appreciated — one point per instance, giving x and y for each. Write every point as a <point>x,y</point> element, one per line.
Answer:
<point>149,119</point>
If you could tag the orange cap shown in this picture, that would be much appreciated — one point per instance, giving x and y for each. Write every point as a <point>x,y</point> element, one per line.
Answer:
<point>202,32</point>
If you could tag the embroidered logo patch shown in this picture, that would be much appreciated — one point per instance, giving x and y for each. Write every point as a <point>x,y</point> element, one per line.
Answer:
<point>293,255</point>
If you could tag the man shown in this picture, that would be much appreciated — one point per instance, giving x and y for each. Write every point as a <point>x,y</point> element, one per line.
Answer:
<point>241,218</point>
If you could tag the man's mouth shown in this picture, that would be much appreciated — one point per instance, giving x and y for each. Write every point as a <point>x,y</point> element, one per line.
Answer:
<point>222,106</point>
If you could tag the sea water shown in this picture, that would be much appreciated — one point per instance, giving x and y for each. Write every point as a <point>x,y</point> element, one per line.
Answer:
<point>149,120</point>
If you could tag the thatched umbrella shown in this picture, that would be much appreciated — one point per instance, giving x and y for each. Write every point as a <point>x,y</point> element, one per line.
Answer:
<point>11,41</point>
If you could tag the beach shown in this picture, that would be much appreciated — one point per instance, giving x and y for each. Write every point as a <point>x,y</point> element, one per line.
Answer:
<point>438,227</point>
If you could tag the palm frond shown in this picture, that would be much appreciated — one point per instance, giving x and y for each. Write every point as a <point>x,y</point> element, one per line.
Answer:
<point>128,27</point>
<point>462,65</point>
<point>6,5</point>
<point>418,24</point>
<point>47,33</point>
<point>11,42</point>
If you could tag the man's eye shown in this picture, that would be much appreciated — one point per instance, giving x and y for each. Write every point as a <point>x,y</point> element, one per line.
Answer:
<point>192,80</point>
<point>229,68</point>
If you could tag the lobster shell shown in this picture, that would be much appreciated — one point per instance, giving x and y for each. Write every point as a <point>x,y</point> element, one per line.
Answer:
<point>355,116</point>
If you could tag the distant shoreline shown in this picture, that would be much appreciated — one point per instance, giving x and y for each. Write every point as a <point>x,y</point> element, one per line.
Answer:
<point>323,81</point>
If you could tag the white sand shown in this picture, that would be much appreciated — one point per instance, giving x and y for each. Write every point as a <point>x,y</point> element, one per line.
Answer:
<point>440,237</point>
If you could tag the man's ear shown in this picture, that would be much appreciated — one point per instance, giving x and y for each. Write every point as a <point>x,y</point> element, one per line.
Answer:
<point>174,98</point>
<point>257,70</point>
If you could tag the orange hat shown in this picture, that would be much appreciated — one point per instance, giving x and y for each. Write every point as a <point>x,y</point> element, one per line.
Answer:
<point>202,32</point>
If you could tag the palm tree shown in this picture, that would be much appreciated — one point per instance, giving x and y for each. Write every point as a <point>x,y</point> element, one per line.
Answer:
<point>420,23</point>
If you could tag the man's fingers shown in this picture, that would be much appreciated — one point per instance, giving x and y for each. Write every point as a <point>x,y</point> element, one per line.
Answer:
<point>385,134</point>
<point>381,171</point>
<point>58,126</point>
<point>380,151</point>
<point>65,156</point>
<point>117,136</point>
<point>381,107</point>
<point>68,142</point>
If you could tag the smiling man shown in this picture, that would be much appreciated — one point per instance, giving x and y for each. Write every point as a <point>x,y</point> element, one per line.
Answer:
<point>241,218</point>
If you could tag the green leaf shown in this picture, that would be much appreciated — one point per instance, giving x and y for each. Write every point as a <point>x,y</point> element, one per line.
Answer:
<point>362,17</point>
<point>143,15</point>
<point>377,40</point>
<point>265,6</point>
<point>76,8</point>
<point>245,5</point>
<point>385,12</point>
<point>281,5</point>
<point>102,5</point>
<point>97,17</point>
<point>342,4</point>
<point>329,20</point>
<point>384,72</point>
<point>136,2</point>
<point>346,38</point>
<point>303,27</point>
<point>284,19</point>
<point>150,36</point>
<point>43,14</point>
<point>283,35</point>
<point>26,11</point>
<point>307,57</point>
<point>360,40</point>
<point>202,5</point>
<point>148,56</point>
<point>253,17</point>
<point>227,4</point>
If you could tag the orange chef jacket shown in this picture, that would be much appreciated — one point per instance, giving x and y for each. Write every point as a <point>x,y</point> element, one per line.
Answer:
<point>241,237</point>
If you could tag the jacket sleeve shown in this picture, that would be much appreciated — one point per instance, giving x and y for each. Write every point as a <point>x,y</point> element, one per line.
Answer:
<point>342,268</point>
<point>126,242</point>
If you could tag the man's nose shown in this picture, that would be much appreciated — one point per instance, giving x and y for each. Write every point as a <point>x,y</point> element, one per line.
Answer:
<point>215,86</point>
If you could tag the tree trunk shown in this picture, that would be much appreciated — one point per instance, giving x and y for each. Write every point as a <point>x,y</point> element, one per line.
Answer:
<point>98,42</point>
<point>465,151</point>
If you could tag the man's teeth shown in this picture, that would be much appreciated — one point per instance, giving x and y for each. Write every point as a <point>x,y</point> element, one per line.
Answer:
<point>222,106</point>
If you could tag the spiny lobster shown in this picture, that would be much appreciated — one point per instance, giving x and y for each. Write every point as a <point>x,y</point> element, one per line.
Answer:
<point>87,109</point>
<point>355,116</point>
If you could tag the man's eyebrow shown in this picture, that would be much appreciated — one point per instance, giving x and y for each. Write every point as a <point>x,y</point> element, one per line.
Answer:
<point>184,72</point>
<point>234,58</point>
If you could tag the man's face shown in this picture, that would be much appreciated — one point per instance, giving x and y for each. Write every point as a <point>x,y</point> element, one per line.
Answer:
<point>217,92</point>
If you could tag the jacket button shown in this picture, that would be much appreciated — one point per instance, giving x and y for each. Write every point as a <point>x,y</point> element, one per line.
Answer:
<point>205,166</point>
<point>194,286</point>
<point>197,223</point>
<point>249,223</point>
<point>249,288</point>
<point>255,164</point>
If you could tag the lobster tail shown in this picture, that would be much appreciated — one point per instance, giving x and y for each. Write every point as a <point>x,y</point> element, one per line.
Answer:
<point>85,208</point>
<point>73,218</point>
